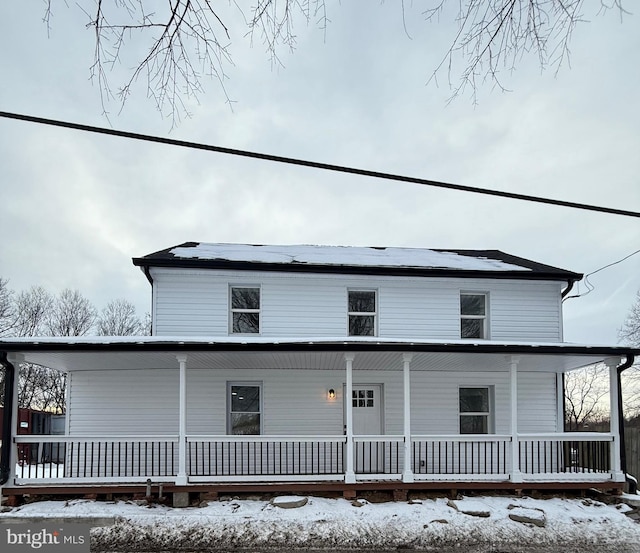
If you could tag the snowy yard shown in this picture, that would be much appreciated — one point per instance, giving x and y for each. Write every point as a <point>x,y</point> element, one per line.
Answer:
<point>478,524</point>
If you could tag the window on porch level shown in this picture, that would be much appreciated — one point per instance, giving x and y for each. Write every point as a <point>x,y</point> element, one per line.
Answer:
<point>362,312</point>
<point>475,410</point>
<point>244,408</point>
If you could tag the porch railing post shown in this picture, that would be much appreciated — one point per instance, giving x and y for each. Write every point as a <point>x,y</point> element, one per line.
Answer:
<point>181,477</point>
<point>614,428</point>
<point>350,475</point>
<point>516,474</point>
<point>407,473</point>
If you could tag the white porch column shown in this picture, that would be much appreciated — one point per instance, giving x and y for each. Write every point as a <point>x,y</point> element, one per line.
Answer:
<point>560,402</point>
<point>181,478</point>
<point>350,475</point>
<point>616,468</point>
<point>407,473</point>
<point>516,475</point>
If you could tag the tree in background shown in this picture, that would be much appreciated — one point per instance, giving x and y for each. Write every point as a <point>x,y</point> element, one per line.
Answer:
<point>6,307</point>
<point>71,314</point>
<point>629,334</point>
<point>30,310</point>
<point>630,331</point>
<point>119,318</point>
<point>186,39</point>
<point>35,312</point>
<point>584,390</point>
<point>587,389</point>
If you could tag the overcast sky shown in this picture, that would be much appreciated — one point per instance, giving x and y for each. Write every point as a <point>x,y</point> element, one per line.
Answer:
<point>76,207</point>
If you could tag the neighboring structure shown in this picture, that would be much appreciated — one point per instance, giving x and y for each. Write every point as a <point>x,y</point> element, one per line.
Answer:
<point>339,367</point>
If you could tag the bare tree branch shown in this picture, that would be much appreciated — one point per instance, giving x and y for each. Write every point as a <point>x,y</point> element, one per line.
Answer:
<point>585,390</point>
<point>190,39</point>
<point>494,35</point>
<point>119,318</point>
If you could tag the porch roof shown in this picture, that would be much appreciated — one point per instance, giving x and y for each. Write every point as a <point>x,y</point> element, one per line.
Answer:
<point>138,352</point>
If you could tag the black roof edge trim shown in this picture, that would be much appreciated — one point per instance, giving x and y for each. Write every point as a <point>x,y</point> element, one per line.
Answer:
<point>472,347</point>
<point>354,269</point>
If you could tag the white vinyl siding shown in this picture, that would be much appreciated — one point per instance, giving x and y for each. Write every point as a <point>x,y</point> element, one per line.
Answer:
<point>145,402</point>
<point>135,402</point>
<point>195,302</point>
<point>537,405</point>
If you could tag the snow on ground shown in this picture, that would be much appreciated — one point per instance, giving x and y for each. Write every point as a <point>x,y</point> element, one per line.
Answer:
<point>324,523</point>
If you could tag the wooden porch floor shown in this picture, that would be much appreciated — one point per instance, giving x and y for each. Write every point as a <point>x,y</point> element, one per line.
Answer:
<point>397,491</point>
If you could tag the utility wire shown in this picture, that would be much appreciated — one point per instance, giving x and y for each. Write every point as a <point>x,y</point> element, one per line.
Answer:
<point>316,165</point>
<point>590,287</point>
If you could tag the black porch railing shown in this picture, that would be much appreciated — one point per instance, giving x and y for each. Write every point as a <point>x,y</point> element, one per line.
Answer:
<point>378,455</point>
<point>565,456</point>
<point>550,455</point>
<point>96,458</point>
<point>461,455</point>
<point>219,456</point>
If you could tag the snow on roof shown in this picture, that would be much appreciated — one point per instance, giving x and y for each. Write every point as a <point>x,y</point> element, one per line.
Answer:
<point>343,256</point>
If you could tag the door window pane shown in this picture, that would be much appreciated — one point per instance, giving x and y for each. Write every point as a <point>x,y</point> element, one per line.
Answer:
<point>362,398</point>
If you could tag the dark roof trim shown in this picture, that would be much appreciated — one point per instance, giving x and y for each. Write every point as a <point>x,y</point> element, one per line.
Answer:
<point>186,346</point>
<point>537,271</point>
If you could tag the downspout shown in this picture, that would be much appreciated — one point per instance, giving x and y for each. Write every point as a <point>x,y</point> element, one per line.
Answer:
<point>623,453</point>
<point>568,289</point>
<point>147,273</point>
<point>7,422</point>
<point>563,295</point>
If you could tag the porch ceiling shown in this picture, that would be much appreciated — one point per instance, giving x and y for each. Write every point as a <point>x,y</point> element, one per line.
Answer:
<point>143,353</point>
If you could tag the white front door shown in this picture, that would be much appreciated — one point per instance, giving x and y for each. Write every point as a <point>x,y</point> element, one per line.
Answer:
<point>366,400</point>
<point>367,414</point>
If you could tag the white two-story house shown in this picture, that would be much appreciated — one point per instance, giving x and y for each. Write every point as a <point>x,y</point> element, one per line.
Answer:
<point>329,367</point>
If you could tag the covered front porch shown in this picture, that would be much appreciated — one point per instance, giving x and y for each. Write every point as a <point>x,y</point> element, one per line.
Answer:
<point>401,453</point>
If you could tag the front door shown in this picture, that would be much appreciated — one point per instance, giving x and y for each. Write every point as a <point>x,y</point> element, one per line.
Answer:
<point>366,400</point>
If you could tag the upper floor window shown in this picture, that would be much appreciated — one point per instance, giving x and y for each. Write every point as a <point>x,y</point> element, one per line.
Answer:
<point>245,309</point>
<point>475,410</point>
<point>473,315</point>
<point>362,312</point>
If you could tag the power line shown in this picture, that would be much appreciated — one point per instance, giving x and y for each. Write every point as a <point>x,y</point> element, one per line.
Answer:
<point>590,287</point>
<point>316,165</point>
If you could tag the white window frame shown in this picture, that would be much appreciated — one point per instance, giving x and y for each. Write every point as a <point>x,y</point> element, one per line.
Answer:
<point>373,313</point>
<point>484,318</point>
<point>489,414</point>
<point>230,386</point>
<point>233,310</point>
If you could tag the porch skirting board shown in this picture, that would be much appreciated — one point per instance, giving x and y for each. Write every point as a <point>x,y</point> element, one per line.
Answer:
<point>451,487</point>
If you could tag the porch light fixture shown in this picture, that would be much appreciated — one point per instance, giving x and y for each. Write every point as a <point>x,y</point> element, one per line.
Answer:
<point>332,394</point>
